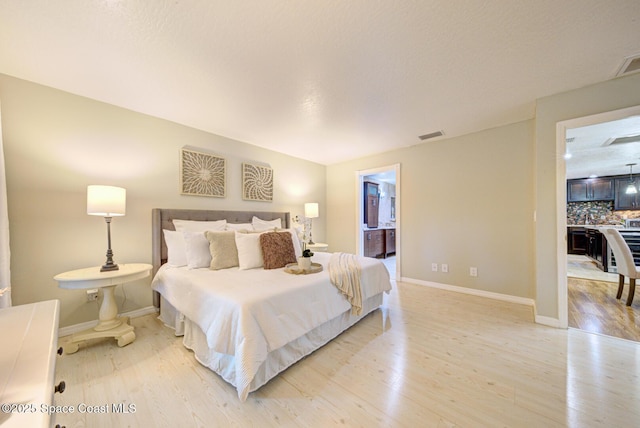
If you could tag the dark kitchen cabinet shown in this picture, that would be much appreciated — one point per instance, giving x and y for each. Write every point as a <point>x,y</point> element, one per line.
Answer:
<point>371,204</point>
<point>590,189</point>
<point>576,240</point>
<point>624,201</point>
<point>597,248</point>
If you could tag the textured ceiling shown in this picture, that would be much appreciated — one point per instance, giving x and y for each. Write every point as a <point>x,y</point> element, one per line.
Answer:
<point>323,80</point>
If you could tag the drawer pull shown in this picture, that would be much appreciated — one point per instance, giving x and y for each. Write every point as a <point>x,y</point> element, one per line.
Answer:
<point>60,426</point>
<point>60,350</point>
<point>60,387</point>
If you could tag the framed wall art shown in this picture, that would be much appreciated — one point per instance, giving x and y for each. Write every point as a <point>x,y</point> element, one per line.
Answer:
<point>257,183</point>
<point>202,174</point>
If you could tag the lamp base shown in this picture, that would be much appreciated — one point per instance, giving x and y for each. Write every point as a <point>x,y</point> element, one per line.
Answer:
<point>107,267</point>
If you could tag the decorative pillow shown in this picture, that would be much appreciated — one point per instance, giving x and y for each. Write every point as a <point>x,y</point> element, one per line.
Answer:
<point>223,249</point>
<point>176,248</point>
<point>259,224</point>
<point>277,249</point>
<point>197,245</point>
<point>249,251</point>
<point>240,226</point>
<point>198,226</point>
<point>297,245</point>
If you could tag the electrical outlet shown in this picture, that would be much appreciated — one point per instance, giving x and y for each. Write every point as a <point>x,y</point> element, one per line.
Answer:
<point>434,267</point>
<point>444,267</point>
<point>92,295</point>
<point>473,271</point>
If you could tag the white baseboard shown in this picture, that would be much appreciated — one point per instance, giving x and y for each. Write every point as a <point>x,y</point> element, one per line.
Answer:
<point>551,322</point>
<point>480,293</point>
<point>76,328</point>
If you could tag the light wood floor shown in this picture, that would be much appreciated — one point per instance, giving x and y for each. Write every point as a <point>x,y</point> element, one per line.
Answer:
<point>428,358</point>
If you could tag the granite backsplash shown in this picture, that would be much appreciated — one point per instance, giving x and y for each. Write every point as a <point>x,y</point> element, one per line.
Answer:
<point>597,212</point>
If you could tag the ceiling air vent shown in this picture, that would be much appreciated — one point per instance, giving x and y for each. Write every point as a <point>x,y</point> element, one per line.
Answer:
<point>432,135</point>
<point>631,65</point>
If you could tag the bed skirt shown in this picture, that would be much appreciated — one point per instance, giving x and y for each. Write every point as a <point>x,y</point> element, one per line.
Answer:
<point>277,360</point>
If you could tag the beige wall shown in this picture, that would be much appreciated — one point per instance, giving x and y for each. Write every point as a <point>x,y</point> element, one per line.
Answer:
<point>465,201</point>
<point>56,144</point>
<point>607,96</point>
<point>469,201</point>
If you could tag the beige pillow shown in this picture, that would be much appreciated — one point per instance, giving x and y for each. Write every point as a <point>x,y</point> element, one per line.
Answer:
<point>222,246</point>
<point>277,249</point>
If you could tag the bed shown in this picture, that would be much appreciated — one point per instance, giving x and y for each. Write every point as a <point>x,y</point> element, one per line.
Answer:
<point>249,324</point>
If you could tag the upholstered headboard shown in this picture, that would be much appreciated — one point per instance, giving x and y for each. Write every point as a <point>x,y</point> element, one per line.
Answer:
<point>162,218</point>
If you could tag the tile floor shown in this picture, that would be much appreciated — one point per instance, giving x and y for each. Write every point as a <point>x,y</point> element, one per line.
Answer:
<point>582,267</point>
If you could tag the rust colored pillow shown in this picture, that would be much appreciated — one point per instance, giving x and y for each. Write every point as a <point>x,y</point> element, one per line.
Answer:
<point>277,249</point>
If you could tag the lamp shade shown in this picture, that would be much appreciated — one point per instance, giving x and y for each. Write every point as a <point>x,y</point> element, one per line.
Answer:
<point>311,210</point>
<point>106,201</point>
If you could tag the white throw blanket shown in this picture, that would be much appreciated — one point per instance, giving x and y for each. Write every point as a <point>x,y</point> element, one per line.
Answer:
<point>344,272</point>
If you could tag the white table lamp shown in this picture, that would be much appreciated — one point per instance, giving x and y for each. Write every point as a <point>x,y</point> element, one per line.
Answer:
<point>311,212</point>
<point>107,201</point>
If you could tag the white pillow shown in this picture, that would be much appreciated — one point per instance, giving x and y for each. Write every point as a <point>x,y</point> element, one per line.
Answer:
<point>297,246</point>
<point>176,248</point>
<point>198,254</point>
<point>260,225</point>
<point>249,250</point>
<point>198,226</point>
<point>240,226</point>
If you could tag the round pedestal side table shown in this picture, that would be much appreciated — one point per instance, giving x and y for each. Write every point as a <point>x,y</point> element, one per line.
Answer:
<point>109,324</point>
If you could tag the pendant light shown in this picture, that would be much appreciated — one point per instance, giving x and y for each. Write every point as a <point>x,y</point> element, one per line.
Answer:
<point>631,188</point>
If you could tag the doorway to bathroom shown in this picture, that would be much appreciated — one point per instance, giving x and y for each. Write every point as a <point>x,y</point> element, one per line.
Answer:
<point>379,219</point>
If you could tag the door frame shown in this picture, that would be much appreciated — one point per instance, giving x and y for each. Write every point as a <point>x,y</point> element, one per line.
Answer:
<point>360,211</point>
<point>561,196</point>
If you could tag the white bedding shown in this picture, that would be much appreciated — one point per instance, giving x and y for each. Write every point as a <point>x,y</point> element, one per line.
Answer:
<point>250,313</point>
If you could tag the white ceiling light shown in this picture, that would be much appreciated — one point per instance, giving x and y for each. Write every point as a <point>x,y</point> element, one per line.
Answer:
<point>567,154</point>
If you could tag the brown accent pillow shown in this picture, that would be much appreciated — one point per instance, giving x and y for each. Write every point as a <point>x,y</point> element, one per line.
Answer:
<point>277,249</point>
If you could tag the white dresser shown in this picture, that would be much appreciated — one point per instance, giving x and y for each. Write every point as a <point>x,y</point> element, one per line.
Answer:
<point>27,363</point>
